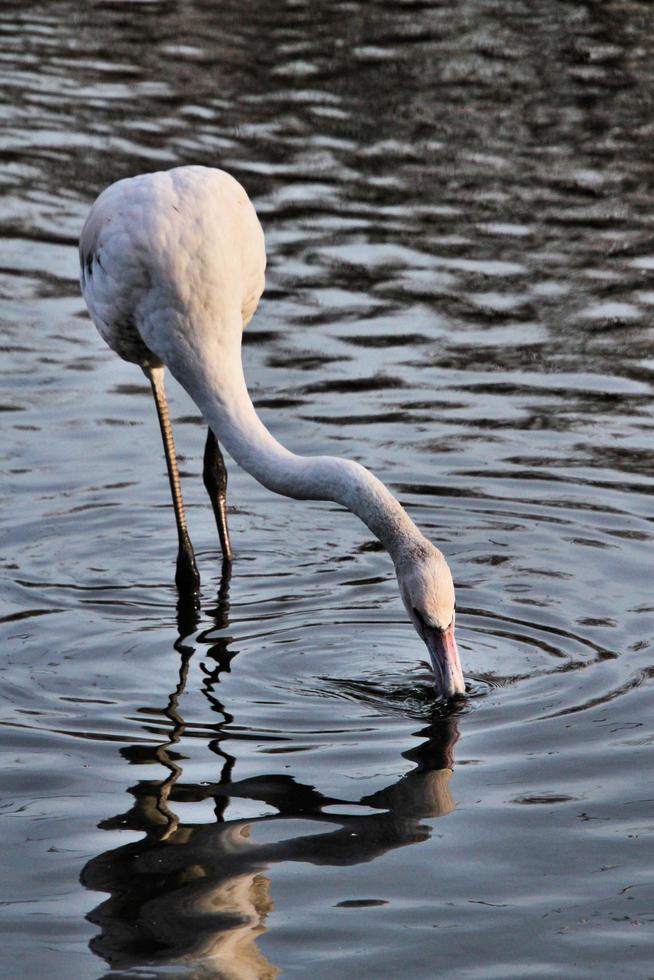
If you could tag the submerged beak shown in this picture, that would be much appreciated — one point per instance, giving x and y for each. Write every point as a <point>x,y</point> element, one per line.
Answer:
<point>448,676</point>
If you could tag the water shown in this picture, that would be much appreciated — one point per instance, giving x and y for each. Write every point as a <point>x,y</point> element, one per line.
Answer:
<point>458,208</point>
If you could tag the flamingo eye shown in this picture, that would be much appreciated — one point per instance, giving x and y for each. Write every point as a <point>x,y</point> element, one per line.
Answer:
<point>420,618</point>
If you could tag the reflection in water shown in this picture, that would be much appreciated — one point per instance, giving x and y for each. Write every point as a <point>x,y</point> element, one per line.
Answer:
<point>198,893</point>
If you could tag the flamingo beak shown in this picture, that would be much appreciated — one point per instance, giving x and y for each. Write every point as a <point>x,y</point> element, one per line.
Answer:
<point>448,676</point>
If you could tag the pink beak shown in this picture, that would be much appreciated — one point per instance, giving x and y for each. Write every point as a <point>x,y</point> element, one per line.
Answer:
<point>448,676</point>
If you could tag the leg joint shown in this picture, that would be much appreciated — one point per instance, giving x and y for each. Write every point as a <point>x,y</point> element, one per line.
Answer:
<point>214,471</point>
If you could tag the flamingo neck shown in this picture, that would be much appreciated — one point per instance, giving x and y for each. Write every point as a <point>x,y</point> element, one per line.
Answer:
<point>220,392</point>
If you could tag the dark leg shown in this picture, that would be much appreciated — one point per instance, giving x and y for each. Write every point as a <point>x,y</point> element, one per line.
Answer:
<point>187,578</point>
<point>215,480</point>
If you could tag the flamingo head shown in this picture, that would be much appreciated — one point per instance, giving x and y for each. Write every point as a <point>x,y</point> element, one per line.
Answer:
<point>427,592</point>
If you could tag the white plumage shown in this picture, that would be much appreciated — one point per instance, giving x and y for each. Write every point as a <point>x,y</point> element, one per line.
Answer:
<point>163,254</point>
<point>172,269</point>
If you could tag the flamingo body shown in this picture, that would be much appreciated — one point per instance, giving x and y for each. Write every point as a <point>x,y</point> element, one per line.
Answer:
<point>159,251</point>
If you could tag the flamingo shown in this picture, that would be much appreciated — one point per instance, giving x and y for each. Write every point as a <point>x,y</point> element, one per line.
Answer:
<point>172,268</point>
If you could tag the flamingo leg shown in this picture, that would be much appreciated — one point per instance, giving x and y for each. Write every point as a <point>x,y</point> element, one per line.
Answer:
<point>187,577</point>
<point>215,481</point>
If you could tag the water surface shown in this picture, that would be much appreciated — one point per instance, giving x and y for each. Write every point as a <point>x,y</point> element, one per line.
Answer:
<point>458,205</point>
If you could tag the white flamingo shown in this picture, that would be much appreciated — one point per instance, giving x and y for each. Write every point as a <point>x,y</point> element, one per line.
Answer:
<point>172,268</point>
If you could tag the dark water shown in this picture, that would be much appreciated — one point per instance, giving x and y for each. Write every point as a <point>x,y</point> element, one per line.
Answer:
<point>459,208</point>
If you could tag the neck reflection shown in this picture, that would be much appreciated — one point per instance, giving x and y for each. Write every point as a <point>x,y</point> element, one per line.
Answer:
<point>190,892</point>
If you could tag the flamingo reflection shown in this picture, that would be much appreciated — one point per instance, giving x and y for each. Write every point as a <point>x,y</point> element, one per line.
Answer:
<point>197,895</point>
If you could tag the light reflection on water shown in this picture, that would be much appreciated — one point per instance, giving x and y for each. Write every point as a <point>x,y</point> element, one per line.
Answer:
<point>457,203</point>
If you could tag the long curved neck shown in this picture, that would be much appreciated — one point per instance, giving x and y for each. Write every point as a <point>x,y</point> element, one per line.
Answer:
<point>221,393</point>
